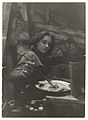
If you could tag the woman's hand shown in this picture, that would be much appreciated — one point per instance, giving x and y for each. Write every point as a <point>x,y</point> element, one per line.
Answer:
<point>30,63</point>
<point>29,67</point>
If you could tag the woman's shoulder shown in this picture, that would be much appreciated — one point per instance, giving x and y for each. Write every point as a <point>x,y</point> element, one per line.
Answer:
<point>30,53</point>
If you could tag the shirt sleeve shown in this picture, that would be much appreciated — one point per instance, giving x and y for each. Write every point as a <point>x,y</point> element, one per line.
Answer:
<point>23,69</point>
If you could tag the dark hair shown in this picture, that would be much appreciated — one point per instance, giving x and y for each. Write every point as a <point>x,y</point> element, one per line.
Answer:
<point>40,35</point>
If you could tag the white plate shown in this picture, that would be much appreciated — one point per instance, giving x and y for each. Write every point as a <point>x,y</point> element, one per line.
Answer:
<point>62,86</point>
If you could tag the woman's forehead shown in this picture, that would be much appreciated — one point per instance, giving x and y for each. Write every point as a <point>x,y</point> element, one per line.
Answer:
<point>47,38</point>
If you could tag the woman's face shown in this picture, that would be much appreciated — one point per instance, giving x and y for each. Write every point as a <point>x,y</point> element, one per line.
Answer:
<point>44,44</point>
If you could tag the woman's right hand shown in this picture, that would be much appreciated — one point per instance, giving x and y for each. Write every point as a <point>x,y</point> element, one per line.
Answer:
<point>29,67</point>
<point>30,63</point>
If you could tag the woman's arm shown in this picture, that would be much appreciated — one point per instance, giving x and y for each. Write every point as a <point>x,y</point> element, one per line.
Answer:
<point>26,66</point>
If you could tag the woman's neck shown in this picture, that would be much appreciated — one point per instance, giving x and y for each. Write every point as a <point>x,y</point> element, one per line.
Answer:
<point>42,56</point>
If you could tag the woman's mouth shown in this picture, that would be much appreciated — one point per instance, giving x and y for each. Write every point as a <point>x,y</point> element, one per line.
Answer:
<point>45,49</point>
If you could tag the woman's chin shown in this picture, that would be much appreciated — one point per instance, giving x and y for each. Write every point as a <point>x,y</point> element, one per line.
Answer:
<point>43,52</point>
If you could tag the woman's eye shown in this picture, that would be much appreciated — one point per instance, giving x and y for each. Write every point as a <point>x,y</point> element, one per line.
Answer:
<point>44,42</point>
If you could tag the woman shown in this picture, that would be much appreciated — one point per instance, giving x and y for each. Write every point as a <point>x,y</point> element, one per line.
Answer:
<point>26,73</point>
<point>32,63</point>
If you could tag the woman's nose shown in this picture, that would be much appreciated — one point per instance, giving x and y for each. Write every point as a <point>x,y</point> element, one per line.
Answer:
<point>47,45</point>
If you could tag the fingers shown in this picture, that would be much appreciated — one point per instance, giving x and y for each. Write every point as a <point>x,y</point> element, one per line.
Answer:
<point>29,64</point>
<point>29,67</point>
<point>32,63</point>
<point>29,72</point>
